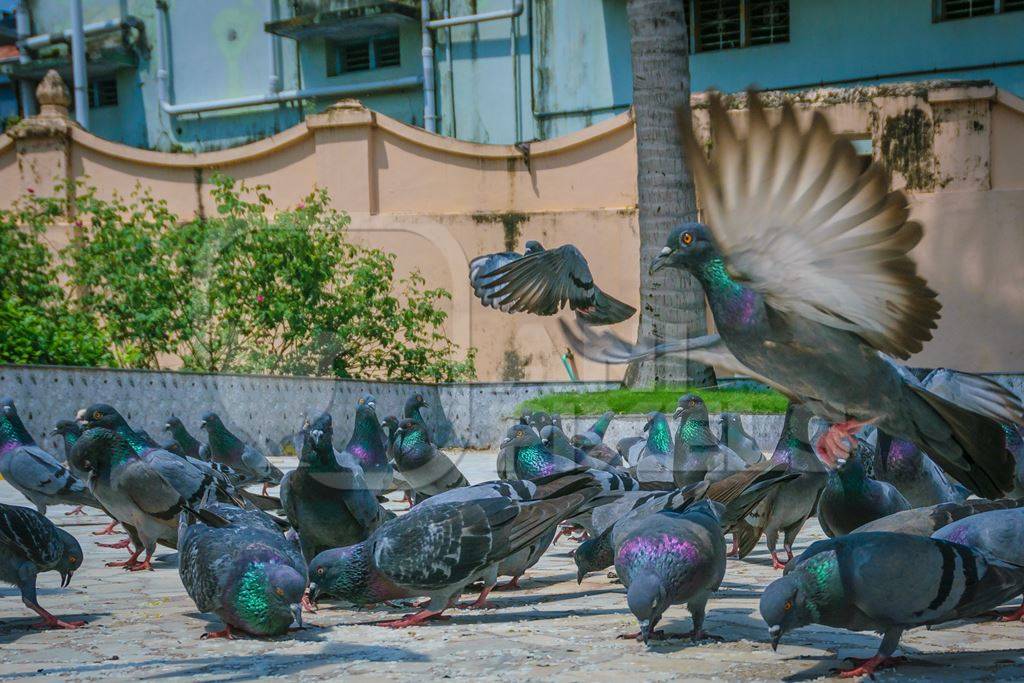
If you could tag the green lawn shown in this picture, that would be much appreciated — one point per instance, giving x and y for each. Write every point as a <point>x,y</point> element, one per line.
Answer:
<point>638,401</point>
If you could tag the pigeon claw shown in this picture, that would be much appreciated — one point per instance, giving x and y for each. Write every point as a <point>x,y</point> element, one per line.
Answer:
<point>701,634</point>
<point>54,622</point>
<point>77,510</point>
<point>107,530</point>
<point>223,633</point>
<point>307,603</point>
<point>412,619</point>
<point>1016,615</point>
<point>120,545</point>
<point>867,667</point>
<point>512,585</point>
<point>838,440</point>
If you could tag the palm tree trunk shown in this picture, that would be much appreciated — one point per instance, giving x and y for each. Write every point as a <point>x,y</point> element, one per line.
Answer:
<point>672,301</point>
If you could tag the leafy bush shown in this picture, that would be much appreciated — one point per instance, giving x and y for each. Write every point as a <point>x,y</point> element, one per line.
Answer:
<point>249,290</point>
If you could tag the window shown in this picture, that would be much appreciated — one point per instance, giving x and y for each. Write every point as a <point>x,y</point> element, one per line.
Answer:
<point>363,55</point>
<point>727,24</point>
<point>103,93</point>
<point>946,10</point>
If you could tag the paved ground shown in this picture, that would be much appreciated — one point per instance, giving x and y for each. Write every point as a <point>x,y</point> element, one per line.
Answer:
<point>144,626</point>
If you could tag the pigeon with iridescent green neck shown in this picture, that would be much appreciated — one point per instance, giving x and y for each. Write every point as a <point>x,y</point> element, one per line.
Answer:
<point>248,575</point>
<point>595,435</point>
<point>698,454</point>
<point>68,431</point>
<point>36,474</point>
<point>888,583</point>
<point>658,459</point>
<point>228,449</point>
<point>851,498</point>
<point>426,468</point>
<point>530,457</point>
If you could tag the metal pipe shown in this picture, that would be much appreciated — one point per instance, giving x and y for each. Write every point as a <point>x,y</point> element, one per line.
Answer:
<point>163,73</point>
<point>44,39</point>
<point>23,26</point>
<point>427,52</point>
<point>78,66</point>
<point>452,128</point>
<point>514,11</point>
<point>274,82</point>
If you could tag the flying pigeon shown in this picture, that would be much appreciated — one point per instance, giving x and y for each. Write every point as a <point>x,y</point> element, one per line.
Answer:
<point>851,498</point>
<point>902,464</point>
<point>247,574</point>
<point>735,437</point>
<point>228,449</point>
<point>368,446</point>
<point>32,471</point>
<point>698,453</point>
<point>30,544</point>
<point>542,282</point>
<point>187,443</point>
<point>326,500</point>
<point>885,582</point>
<point>426,468</point>
<point>669,558</point>
<point>927,520</point>
<point>437,550</point>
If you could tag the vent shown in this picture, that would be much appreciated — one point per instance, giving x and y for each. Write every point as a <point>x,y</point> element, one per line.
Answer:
<point>718,24</point>
<point>103,93</point>
<point>768,21</point>
<point>363,55</point>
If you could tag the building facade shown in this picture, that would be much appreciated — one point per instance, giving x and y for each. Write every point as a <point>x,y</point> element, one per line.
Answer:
<point>179,75</point>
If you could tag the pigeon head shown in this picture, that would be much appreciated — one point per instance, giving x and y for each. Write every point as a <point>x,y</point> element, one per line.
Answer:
<point>414,402</point>
<point>648,600</point>
<point>410,433</point>
<point>688,245</point>
<point>266,596</point>
<point>211,421</point>
<point>594,554</point>
<point>67,428</point>
<point>71,557</point>
<point>731,420</point>
<point>105,416</point>
<point>317,441</point>
<point>539,419</point>
<point>98,448</point>
<point>783,607</point>
<point>532,247</point>
<point>173,424</point>
<point>520,436</point>
<point>12,430</point>
<point>390,425</point>
<point>690,405</point>
<point>342,573</point>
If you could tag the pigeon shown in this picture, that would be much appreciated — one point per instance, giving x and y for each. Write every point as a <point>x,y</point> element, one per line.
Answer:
<point>326,498</point>
<point>187,443</point>
<point>927,520</point>
<point>851,498</point>
<point>437,550</point>
<point>1015,445</point>
<point>29,545</point>
<point>68,431</point>
<point>228,449</point>
<point>658,459</point>
<point>426,468</point>
<point>390,426</point>
<point>247,574</point>
<point>367,446</point>
<point>804,263</point>
<point>32,471</point>
<point>736,438</point>
<point>885,582</point>
<point>441,435</point>
<point>698,453</point>
<point>542,282</point>
<point>902,464</point>
<point>668,558</point>
<point>555,440</point>
<point>789,505</point>
<point>594,436</point>
<point>144,492</point>
<point>530,457</point>
<point>631,449</point>
<point>997,533</point>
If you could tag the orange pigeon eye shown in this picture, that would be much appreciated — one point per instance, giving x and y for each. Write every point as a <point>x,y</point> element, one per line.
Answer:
<point>97,415</point>
<point>686,239</point>
<point>279,591</point>
<point>789,605</point>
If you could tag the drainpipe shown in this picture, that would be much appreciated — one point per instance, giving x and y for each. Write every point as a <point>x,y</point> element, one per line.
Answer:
<point>78,66</point>
<point>429,107</point>
<point>89,30</point>
<point>514,11</point>
<point>163,73</point>
<point>23,25</point>
<point>274,84</point>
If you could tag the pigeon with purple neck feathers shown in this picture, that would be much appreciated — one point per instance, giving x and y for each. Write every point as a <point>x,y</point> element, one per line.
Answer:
<point>902,464</point>
<point>542,282</point>
<point>32,471</point>
<point>851,498</point>
<point>30,544</point>
<point>228,449</point>
<point>888,583</point>
<point>368,446</point>
<point>670,558</point>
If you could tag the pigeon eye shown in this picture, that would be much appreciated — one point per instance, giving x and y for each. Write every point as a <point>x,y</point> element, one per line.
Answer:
<point>788,606</point>
<point>279,591</point>
<point>686,239</point>
<point>320,571</point>
<point>97,415</point>
<point>73,560</point>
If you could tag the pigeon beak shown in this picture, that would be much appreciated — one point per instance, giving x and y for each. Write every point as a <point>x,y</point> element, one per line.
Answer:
<point>65,579</point>
<point>54,432</point>
<point>660,262</point>
<point>297,615</point>
<point>504,442</point>
<point>645,630</point>
<point>314,592</point>
<point>678,414</point>
<point>167,427</point>
<point>580,575</point>
<point>775,632</point>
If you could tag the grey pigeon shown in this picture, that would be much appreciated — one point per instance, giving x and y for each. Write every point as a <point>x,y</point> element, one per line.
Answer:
<point>246,573</point>
<point>825,299</point>
<point>144,492</point>
<point>631,449</point>
<point>997,533</point>
<point>698,453</point>
<point>437,550</point>
<point>735,437</point>
<point>555,440</point>
<point>426,468</point>
<point>1015,446</point>
<point>912,472</point>
<point>885,582</point>
<point>30,544</point>
<point>367,446</point>
<point>542,282</point>
<point>669,558</point>
<point>927,520</point>
<point>788,506</point>
<point>187,444</point>
<point>228,449</point>
<point>850,498</point>
<point>327,500</point>
<point>594,435</point>
<point>658,461</point>
<point>68,431</point>
<point>441,434</point>
<point>32,471</point>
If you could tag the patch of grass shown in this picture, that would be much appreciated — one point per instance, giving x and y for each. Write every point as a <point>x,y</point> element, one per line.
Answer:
<point>663,399</point>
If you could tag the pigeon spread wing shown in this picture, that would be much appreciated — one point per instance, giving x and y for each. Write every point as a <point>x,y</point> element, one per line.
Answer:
<point>543,282</point>
<point>799,221</point>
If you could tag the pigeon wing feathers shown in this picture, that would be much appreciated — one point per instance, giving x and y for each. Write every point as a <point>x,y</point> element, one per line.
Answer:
<point>798,221</point>
<point>37,470</point>
<point>28,532</point>
<point>148,490</point>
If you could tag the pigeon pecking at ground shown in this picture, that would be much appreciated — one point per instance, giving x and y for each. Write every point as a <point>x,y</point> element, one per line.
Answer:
<point>851,498</point>
<point>885,582</point>
<point>438,550</point>
<point>735,437</point>
<point>698,454</point>
<point>542,282</point>
<point>228,449</point>
<point>32,471</point>
<point>246,573</point>
<point>425,467</point>
<point>326,498</point>
<point>668,558</point>
<point>30,544</point>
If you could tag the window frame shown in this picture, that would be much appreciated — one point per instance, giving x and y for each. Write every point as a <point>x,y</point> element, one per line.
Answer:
<point>334,61</point>
<point>998,8</point>
<point>94,95</point>
<point>693,28</point>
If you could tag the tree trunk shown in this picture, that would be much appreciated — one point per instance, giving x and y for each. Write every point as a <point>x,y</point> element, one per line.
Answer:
<point>671,301</point>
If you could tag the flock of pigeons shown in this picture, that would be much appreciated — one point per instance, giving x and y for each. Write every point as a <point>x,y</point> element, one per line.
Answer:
<point>803,257</point>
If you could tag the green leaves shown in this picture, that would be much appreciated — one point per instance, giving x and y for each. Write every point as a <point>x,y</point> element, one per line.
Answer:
<point>249,290</point>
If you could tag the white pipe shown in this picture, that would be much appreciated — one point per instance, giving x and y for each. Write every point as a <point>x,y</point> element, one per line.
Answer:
<point>514,11</point>
<point>429,106</point>
<point>163,73</point>
<point>23,25</point>
<point>274,82</point>
<point>44,39</point>
<point>78,66</point>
